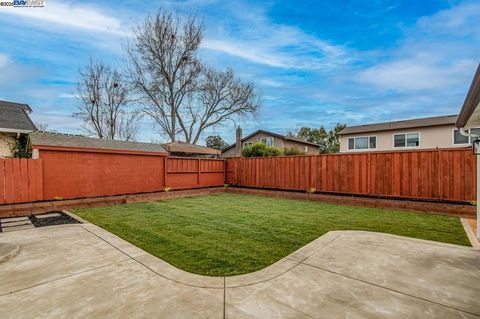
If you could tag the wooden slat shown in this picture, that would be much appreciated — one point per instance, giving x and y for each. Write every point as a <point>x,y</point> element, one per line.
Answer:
<point>429,174</point>
<point>2,181</point>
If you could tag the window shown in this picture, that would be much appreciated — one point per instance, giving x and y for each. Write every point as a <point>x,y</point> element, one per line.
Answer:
<point>267,141</point>
<point>458,138</point>
<point>406,140</point>
<point>245,144</point>
<point>362,143</point>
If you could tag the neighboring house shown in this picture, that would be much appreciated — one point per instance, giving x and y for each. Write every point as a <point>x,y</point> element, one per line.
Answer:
<point>183,149</point>
<point>271,139</point>
<point>422,133</point>
<point>14,121</point>
<point>38,141</point>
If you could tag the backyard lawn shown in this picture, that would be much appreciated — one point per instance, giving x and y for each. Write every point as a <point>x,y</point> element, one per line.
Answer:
<point>230,234</point>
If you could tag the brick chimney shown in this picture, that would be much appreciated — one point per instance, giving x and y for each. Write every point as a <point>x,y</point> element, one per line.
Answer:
<point>238,141</point>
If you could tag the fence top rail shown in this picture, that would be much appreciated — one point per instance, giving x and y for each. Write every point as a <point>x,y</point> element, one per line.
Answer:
<point>197,158</point>
<point>96,150</point>
<point>428,150</point>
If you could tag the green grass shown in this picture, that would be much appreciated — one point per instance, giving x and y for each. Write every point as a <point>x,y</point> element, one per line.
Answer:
<point>230,234</point>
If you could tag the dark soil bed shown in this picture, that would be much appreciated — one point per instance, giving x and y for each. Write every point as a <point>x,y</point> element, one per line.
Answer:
<point>55,220</point>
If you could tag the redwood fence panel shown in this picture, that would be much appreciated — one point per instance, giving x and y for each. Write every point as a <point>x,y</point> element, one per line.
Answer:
<point>194,172</point>
<point>69,174</point>
<point>20,180</point>
<point>443,174</point>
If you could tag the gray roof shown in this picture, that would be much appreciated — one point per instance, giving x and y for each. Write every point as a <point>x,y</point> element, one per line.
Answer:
<point>397,125</point>
<point>14,118</point>
<point>78,141</point>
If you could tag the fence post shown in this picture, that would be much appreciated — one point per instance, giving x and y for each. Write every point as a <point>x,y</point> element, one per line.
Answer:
<point>198,171</point>
<point>165,159</point>
<point>440,174</point>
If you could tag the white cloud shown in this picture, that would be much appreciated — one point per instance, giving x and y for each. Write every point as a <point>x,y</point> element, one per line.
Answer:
<point>255,38</point>
<point>4,61</point>
<point>415,74</point>
<point>437,53</point>
<point>461,20</point>
<point>70,15</point>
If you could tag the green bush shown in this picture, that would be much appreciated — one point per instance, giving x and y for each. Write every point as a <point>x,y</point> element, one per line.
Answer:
<point>292,152</point>
<point>260,150</point>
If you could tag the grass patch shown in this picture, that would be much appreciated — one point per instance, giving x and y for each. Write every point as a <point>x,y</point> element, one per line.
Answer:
<point>230,234</point>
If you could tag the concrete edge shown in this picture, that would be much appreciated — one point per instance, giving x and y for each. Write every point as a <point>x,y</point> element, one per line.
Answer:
<point>471,236</point>
<point>11,251</point>
<point>270,272</point>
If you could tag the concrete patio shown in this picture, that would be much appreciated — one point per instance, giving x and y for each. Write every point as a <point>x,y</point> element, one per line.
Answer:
<point>83,271</point>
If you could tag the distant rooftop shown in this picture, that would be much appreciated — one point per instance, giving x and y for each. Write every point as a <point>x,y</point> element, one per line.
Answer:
<point>404,124</point>
<point>183,147</point>
<point>79,141</point>
<point>283,137</point>
<point>14,118</point>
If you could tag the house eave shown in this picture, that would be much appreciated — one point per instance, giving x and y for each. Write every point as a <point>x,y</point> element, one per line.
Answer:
<point>469,116</point>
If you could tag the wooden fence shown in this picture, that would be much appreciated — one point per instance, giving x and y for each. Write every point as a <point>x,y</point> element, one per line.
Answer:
<point>447,174</point>
<point>443,174</point>
<point>184,173</point>
<point>20,180</point>
<point>60,174</point>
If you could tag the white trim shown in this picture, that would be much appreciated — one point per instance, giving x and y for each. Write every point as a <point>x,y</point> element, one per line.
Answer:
<point>362,149</point>
<point>467,134</point>
<point>12,130</point>
<point>267,138</point>
<point>406,147</point>
<point>246,144</point>
<point>459,144</point>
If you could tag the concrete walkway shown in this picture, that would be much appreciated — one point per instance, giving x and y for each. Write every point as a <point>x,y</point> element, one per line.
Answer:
<point>82,271</point>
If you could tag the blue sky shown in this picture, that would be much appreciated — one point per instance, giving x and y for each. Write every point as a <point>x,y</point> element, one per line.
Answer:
<point>315,62</point>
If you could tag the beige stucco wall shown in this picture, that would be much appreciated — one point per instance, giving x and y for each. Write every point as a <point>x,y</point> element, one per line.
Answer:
<point>6,140</point>
<point>277,142</point>
<point>430,137</point>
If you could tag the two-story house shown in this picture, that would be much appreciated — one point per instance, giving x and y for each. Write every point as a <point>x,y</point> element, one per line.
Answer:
<point>421,133</point>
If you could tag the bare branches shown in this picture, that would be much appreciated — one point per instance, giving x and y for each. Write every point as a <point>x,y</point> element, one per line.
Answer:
<point>103,97</point>
<point>164,67</point>
<point>222,97</point>
<point>180,94</point>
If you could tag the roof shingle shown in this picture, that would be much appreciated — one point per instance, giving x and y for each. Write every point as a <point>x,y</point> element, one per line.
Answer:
<point>78,141</point>
<point>14,117</point>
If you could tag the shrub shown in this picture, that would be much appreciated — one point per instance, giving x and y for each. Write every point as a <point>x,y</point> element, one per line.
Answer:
<point>292,152</point>
<point>260,150</point>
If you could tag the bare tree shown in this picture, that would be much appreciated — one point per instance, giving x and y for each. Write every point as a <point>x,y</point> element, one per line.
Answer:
<point>220,98</point>
<point>164,68</point>
<point>178,92</point>
<point>103,106</point>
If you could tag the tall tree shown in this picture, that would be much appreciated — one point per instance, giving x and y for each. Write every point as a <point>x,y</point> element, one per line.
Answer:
<point>177,91</point>
<point>216,142</point>
<point>103,103</point>
<point>328,140</point>
<point>333,144</point>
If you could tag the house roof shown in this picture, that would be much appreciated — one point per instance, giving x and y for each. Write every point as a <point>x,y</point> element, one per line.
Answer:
<point>183,147</point>
<point>471,104</point>
<point>396,125</point>
<point>38,139</point>
<point>14,118</point>
<point>283,137</point>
